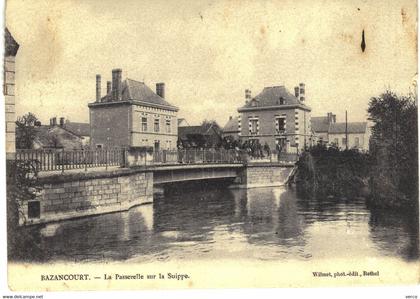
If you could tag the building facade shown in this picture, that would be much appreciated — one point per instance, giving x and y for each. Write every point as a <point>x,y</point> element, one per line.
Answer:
<point>329,132</point>
<point>132,115</point>
<point>11,48</point>
<point>276,117</point>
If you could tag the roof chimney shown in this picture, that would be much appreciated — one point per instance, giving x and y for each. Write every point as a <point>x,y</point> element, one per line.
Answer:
<point>98,88</point>
<point>302,91</point>
<point>160,89</point>
<point>247,95</point>
<point>329,117</point>
<point>297,91</point>
<point>54,121</point>
<point>61,121</point>
<point>116,85</point>
<point>108,87</point>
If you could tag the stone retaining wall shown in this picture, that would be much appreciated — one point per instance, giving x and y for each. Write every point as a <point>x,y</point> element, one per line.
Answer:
<point>264,175</point>
<point>83,196</point>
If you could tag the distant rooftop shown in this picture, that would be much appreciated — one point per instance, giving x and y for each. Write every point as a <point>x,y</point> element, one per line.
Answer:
<point>231,126</point>
<point>352,127</point>
<point>320,124</point>
<point>81,129</point>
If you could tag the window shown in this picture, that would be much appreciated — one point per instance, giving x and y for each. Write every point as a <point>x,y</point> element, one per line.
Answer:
<point>253,127</point>
<point>157,129</point>
<point>356,141</point>
<point>280,125</point>
<point>168,126</point>
<point>282,101</point>
<point>343,141</point>
<point>99,146</point>
<point>336,141</point>
<point>144,124</point>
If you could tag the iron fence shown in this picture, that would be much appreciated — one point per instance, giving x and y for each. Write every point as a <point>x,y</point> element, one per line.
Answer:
<point>55,160</point>
<point>61,160</point>
<point>194,156</point>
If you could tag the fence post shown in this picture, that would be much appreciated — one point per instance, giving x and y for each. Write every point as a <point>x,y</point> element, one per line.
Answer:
<point>62,160</point>
<point>106,159</point>
<point>84,157</point>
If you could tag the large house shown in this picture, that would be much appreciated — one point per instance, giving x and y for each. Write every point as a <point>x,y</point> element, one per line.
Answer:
<point>131,114</point>
<point>276,117</point>
<point>330,132</point>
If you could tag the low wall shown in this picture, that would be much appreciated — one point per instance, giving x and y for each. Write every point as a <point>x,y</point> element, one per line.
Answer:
<point>264,175</point>
<point>78,195</point>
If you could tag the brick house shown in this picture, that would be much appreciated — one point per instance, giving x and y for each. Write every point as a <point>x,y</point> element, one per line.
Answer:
<point>276,117</point>
<point>131,114</point>
<point>10,51</point>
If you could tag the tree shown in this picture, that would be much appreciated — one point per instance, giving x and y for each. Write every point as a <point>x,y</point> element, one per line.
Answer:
<point>394,147</point>
<point>25,131</point>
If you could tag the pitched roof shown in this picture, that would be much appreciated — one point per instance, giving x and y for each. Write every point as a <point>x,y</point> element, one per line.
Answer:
<point>55,137</point>
<point>352,127</point>
<point>81,129</point>
<point>320,124</point>
<point>11,46</point>
<point>181,120</point>
<point>133,90</point>
<point>231,125</point>
<point>206,129</point>
<point>271,96</point>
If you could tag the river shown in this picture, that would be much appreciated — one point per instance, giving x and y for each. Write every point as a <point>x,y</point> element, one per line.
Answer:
<point>210,223</point>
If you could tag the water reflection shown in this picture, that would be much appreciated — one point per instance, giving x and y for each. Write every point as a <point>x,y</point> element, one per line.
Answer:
<point>263,223</point>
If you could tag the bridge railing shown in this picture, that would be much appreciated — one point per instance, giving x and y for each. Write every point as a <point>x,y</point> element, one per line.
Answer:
<point>60,159</point>
<point>197,156</point>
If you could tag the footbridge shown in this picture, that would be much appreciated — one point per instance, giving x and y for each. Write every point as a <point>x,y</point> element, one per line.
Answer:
<point>78,185</point>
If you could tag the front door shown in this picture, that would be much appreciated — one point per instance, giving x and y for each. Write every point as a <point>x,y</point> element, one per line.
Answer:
<point>157,146</point>
<point>156,153</point>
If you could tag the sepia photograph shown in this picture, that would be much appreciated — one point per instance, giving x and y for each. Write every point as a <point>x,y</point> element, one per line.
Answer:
<point>210,144</point>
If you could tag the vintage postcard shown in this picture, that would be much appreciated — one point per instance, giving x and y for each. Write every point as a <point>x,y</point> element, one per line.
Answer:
<point>211,144</point>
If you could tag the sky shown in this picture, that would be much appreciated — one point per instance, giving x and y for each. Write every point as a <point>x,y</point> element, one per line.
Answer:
<point>209,52</point>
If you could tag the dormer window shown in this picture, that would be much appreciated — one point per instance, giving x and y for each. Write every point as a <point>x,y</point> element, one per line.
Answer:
<point>282,101</point>
<point>253,103</point>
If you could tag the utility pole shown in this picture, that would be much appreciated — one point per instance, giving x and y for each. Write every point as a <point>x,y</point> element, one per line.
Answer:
<point>347,134</point>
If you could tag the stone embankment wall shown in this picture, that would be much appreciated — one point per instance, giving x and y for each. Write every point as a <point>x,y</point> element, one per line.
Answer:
<point>66,196</point>
<point>71,196</point>
<point>264,175</point>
